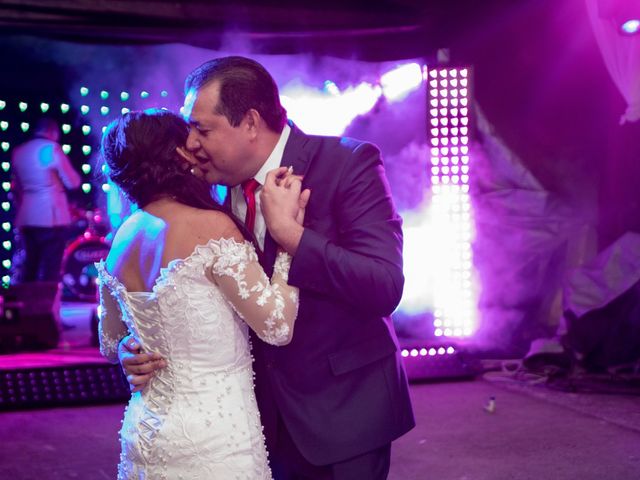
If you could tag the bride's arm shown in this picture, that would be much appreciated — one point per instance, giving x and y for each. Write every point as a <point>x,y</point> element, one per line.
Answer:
<point>268,306</point>
<point>111,328</point>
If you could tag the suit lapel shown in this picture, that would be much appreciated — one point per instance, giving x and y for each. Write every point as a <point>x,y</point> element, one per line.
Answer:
<point>295,155</point>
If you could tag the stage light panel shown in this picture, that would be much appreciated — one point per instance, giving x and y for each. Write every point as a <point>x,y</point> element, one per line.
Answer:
<point>453,298</point>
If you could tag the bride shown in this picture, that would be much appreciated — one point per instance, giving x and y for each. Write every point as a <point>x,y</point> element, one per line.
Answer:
<point>183,278</point>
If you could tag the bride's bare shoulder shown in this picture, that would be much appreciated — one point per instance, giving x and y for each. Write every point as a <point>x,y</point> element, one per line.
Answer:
<point>214,224</point>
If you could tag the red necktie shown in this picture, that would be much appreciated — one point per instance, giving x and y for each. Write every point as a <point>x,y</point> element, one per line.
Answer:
<point>249,188</point>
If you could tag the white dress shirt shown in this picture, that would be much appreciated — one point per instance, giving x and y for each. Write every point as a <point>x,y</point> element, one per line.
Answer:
<point>238,203</point>
<point>42,171</point>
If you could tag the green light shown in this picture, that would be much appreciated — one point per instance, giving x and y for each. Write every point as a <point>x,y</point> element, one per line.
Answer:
<point>6,280</point>
<point>66,148</point>
<point>124,96</point>
<point>105,168</point>
<point>104,110</point>
<point>86,129</point>
<point>5,165</point>
<point>24,126</point>
<point>86,168</point>
<point>124,110</point>
<point>86,187</point>
<point>2,104</point>
<point>6,264</point>
<point>64,107</point>
<point>4,125</point>
<point>144,94</point>
<point>6,206</point>
<point>104,94</point>
<point>86,149</point>
<point>84,91</point>
<point>6,226</point>
<point>7,244</point>
<point>106,187</point>
<point>164,93</point>
<point>5,146</point>
<point>84,109</point>
<point>44,107</point>
<point>66,128</point>
<point>6,186</point>
<point>23,106</point>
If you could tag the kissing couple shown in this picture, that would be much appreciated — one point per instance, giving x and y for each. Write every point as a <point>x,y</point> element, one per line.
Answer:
<point>262,323</point>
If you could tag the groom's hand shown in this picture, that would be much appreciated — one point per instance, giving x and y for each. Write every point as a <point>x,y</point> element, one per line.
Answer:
<point>280,204</point>
<point>138,367</point>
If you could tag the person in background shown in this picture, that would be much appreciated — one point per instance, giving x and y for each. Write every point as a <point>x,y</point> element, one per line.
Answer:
<point>42,172</point>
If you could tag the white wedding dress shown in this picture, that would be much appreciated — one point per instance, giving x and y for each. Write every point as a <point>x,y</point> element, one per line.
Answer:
<point>197,418</point>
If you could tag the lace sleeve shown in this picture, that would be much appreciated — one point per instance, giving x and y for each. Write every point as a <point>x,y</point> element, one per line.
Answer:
<point>111,328</point>
<point>269,307</point>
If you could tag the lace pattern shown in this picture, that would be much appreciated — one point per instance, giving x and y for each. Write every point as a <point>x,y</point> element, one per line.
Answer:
<point>197,418</point>
<point>269,307</point>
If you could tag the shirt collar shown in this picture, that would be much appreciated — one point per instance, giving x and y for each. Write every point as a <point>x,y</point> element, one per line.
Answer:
<point>275,158</point>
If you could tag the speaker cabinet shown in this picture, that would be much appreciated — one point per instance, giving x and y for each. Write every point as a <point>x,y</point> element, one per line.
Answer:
<point>30,317</point>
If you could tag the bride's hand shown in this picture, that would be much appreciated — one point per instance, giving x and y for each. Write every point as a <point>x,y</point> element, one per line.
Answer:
<point>289,180</point>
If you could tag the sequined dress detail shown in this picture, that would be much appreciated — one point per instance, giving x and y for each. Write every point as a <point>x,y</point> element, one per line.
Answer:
<point>198,418</point>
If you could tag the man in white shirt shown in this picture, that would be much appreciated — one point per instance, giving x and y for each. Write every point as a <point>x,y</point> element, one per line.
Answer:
<point>41,173</point>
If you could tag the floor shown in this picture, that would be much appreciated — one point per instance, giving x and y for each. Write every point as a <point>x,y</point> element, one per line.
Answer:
<point>532,434</point>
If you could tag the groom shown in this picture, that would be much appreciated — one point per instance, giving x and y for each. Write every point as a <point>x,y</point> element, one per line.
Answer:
<point>334,399</point>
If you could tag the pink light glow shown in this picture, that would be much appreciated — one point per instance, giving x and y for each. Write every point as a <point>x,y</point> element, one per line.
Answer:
<point>333,110</point>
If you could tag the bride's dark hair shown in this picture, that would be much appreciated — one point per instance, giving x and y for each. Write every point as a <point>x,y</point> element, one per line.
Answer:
<point>140,150</point>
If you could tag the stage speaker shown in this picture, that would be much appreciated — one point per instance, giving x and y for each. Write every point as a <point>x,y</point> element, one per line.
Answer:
<point>30,317</point>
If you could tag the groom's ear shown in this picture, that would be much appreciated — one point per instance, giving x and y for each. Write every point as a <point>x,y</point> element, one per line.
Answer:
<point>252,120</point>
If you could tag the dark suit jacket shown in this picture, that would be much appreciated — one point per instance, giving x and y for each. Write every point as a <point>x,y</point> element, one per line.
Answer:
<point>339,385</point>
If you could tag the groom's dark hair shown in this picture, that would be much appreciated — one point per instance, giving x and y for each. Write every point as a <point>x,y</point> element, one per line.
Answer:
<point>244,84</point>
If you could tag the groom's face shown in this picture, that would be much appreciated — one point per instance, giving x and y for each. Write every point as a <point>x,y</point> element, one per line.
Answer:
<point>221,149</point>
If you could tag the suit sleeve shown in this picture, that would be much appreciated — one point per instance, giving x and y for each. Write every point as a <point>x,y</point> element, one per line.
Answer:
<point>69,177</point>
<point>363,266</point>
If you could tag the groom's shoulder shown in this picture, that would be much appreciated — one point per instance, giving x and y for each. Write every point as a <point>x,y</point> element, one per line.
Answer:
<point>345,145</point>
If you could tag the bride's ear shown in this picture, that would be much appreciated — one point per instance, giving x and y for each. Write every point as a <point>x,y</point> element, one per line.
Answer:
<point>187,156</point>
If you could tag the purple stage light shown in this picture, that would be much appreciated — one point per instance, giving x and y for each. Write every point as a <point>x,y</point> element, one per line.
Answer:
<point>454,294</point>
<point>631,27</point>
<point>334,110</point>
<point>400,82</point>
